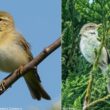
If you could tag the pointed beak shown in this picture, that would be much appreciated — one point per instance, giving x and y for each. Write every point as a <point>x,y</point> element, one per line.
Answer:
<point>99,25</point>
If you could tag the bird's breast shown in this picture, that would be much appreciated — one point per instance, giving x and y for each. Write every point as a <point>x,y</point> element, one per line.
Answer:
<point>11,57</point>
<point>88,47</point>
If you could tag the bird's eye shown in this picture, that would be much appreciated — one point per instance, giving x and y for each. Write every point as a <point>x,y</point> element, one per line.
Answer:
<point>0,19</point>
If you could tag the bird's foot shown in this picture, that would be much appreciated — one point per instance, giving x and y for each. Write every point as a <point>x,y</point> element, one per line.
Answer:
<point>2,85</point>
<point>20,69</point>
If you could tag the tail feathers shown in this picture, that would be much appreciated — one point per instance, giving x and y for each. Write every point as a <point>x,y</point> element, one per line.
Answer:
<point>108,85</point>
<point>33,82</point>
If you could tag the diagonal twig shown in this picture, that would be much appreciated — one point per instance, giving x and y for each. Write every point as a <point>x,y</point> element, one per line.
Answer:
<point>8,81</point>
<point>98,101</point>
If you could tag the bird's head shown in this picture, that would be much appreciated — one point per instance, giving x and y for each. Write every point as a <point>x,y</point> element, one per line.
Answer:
<point>89,30</point>
<point>6,22</point>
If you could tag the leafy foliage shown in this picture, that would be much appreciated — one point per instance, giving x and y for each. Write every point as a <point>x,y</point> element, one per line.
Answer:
<point>75,69</point>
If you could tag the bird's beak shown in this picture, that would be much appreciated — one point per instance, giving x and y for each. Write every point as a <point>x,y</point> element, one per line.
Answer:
<point>99,25</point>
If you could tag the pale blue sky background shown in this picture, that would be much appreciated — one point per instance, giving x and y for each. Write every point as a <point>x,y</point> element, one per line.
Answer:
<point>40,23</point>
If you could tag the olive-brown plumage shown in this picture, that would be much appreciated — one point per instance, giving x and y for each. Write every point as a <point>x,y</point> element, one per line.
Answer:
<point>14,52</point>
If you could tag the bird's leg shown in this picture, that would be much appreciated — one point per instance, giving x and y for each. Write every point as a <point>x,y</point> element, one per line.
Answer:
<point>2,85</point>
<point>20,69</point>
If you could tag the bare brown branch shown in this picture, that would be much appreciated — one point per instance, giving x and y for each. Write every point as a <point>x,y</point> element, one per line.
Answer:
<point>8,81</point>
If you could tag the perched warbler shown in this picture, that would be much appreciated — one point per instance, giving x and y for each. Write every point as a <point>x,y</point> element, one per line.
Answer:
<point>89,43</point>
<point>14,52</point>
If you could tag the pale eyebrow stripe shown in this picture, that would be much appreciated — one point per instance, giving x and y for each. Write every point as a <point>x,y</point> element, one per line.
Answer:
<point>5,18</point>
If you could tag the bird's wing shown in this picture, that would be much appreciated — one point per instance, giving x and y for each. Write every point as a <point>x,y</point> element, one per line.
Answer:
<point>107,53</point>
<point>32,78</point>
<point>25,45</point>
<point>108,57</point>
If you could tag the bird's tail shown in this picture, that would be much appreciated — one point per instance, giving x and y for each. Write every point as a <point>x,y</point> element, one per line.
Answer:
<point>34,84</point>
<point>108,78</point>
<point>106,73</point>
<point>108,85</point>
<point>105,67</point>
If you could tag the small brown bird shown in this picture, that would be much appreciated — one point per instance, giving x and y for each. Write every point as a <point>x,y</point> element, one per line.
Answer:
<point>89,43</point>
<point>14,52</point>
